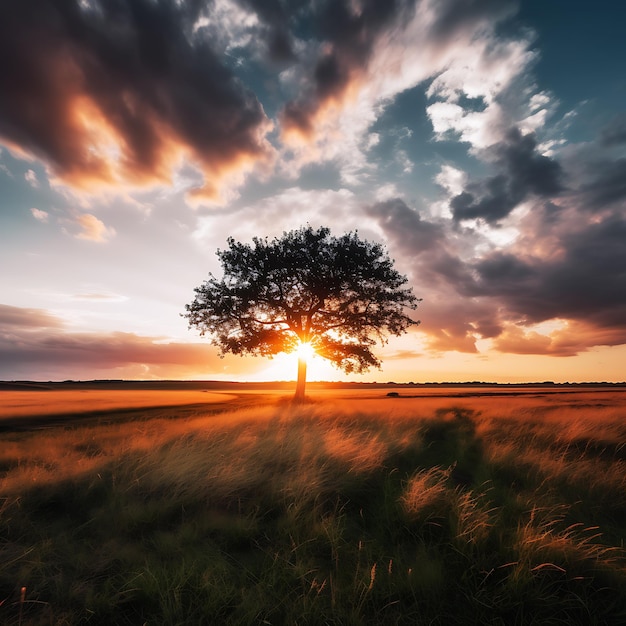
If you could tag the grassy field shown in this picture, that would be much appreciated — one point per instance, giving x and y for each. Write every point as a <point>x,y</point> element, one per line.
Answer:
<point>354,508</point>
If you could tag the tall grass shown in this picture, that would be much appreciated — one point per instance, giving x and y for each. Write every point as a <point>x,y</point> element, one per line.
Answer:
<point>399,511</point>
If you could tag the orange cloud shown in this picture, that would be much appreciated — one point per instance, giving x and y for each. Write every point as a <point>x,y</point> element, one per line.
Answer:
<point>93,229</point>
<point>110,106</point>
<point>570,339</point>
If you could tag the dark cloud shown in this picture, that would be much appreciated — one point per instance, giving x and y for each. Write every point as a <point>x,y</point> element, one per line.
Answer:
<point>277,16</point>
<point>596,171</point>
<point>405,227</point>
<point>524,172</point>
<point>451,321</point>
<point>353,27</point>
<point>607,187</point>
<point>505,270</point>
<point>614,134</point>
<point>574,272</point>
<point>349,32</point>
<point>585,281</point>
<point>453,15</point>
<point>133,72</point>
<point>424,245</point>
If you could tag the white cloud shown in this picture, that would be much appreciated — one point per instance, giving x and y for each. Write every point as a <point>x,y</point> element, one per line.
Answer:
<point>445,117</point>
<point>290,209</point>
<point>484,71</point>
<point>228,25</point>
<point>539,101</point>
<point>403,160</point>
<point>472,62</point>
<point>373,139</point>
<point>451,179</point>
<point>31,178</point>
<point>494,75</point>
<point>386,192</point>
<point>41,216</point>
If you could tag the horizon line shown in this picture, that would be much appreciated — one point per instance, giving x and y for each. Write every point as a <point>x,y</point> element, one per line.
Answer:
<point>313,382</point>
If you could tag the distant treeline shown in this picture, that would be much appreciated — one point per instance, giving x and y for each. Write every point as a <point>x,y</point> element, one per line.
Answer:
<point>26,385</point>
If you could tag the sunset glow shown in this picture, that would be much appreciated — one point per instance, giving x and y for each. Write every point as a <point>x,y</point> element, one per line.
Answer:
<point>483,144</point>
<point>305,351</point>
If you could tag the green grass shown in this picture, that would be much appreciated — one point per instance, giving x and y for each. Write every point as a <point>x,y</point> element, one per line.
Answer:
<point>327,513</point>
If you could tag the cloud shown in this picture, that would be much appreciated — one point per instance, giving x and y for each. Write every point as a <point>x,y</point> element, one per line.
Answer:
<point>123,95</point>
<point>596,171</point>
<point>283,211</point>
<point>364,54</point>
<point>560,267</point>
<point>33,340</point>
<point>607,186</point>
<point>481,93</point>
<point>429,254</point>
<point>349,33</point>
<point>274,26</point>
<point>406,226</point>
<point>99,296</point>
<point>614,133</point>
<point>583,281</point>
<point>13,317</point>
<point>523,172</point>
<point>31,178</point>
<point>527,229</point>
<point>454,15</point>
<point>569,273</point>
<point>115,94</point>
<point>93,229</point>
<point>569,340</point>
<point>401,355</point>
<point>428,250</point>
<point>39,215</point>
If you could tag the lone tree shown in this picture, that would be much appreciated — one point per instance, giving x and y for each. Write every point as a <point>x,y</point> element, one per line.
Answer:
<point>305,291</point>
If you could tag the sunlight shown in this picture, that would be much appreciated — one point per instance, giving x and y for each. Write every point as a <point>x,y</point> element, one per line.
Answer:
<point>284,366</point>
<point>305,351</point>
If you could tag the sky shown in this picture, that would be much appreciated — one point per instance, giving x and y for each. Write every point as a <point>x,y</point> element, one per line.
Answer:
<point>482,141</point>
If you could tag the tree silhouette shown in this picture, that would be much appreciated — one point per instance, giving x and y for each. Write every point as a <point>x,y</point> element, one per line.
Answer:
<point>340,295</point>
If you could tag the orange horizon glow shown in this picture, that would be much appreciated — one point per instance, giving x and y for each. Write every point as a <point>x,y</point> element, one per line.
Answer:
<point>305,351</point>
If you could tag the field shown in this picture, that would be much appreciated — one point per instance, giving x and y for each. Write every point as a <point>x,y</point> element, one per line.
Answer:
<point>190,505</point>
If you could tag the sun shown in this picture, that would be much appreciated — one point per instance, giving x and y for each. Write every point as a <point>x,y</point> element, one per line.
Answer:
<point>284,366</point>
<point>305,351</point>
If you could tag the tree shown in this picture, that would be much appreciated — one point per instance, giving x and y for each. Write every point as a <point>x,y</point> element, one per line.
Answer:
<point>337,295</point>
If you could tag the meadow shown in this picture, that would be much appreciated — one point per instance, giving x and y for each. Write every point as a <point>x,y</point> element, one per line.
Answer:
<point>440,507</point>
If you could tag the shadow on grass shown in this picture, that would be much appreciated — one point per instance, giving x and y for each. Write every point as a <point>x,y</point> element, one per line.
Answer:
<point>307,518</point>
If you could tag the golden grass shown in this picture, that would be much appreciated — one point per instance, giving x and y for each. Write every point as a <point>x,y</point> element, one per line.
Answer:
<point>72,401</point>
<point>331,425</point>
<point>353,498</point>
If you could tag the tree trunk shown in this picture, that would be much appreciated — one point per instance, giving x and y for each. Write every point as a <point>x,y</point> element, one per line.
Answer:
<point>300,384</point>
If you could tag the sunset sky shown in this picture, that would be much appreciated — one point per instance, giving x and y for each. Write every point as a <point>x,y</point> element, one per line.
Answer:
<point>483,141</point>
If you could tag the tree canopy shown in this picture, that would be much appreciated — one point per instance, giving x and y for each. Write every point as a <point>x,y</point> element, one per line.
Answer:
<point>341,295</point>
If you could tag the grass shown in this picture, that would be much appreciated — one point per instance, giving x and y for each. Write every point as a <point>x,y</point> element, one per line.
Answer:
<point>340,511</point>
